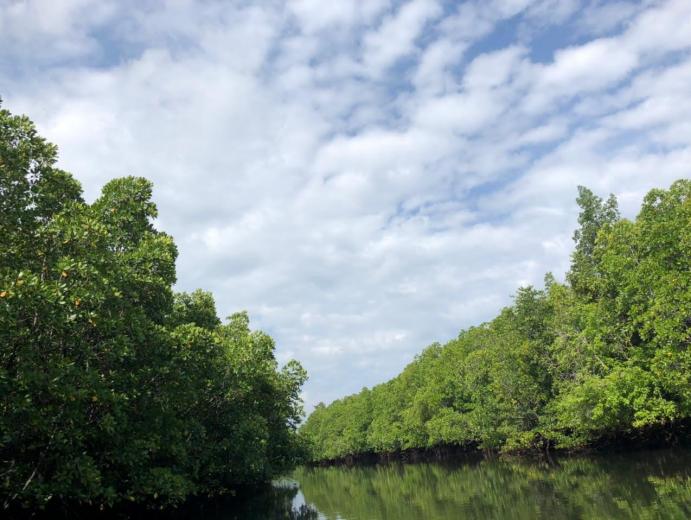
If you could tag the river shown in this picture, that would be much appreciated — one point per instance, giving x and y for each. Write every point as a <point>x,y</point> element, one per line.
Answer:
<point>640,485</point>
<point>635,485</point>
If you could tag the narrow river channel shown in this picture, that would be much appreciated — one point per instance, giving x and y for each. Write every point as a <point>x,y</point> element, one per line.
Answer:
<point>639,485</point>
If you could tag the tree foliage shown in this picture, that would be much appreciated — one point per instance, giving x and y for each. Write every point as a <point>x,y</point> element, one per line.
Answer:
<point>113,387</point>
<point>604,354</point>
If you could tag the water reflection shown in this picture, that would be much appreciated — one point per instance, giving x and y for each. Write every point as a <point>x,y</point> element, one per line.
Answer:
<point>281,501</point>
<point>642,485</point>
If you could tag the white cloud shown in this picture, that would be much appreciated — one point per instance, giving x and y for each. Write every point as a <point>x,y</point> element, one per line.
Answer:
<point>396,36</point>
<point>45,30</point>
<point>316,15</point>
<point>439,61</point>
<point>492,69</point>
<point>363,177</point>
<point>662,29</point>
<point>589,66</point>
<point>462,113</point>
<point>606,15</point>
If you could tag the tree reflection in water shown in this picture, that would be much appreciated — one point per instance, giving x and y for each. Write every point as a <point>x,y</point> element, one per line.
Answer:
<point>643,485</point>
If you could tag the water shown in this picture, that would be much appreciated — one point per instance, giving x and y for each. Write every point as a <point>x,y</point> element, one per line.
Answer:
<point>637,485</point>
<point>641,485</point>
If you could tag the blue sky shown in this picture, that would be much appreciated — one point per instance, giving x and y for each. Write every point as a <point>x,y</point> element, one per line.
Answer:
<point>364,177</point>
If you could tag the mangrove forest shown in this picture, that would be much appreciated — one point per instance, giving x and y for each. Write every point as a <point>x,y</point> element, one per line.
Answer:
<point>602,357</point>
<point>115,389</point>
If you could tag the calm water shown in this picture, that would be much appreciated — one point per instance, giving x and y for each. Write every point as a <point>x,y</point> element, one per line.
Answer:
<point>640,485</point>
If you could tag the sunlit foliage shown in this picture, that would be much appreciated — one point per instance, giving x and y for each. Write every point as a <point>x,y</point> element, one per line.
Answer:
<point>604,354</point>
<point>113,387</point>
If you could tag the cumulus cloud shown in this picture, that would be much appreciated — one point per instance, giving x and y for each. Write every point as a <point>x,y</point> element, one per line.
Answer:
<point>315,15</point>
<point>364,178</point>
<point>396,36</point>
<point>48,32</point>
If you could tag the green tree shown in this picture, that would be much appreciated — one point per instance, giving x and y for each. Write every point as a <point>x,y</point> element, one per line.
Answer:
<point>605,354</point>
<point>595,214</point>
<point>113,388</point>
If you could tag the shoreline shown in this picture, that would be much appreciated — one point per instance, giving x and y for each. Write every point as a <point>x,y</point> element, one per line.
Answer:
<point>673,435</point>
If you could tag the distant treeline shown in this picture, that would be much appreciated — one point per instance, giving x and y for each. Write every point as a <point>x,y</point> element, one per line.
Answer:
<point>112,387</point>
<point>604,355</point>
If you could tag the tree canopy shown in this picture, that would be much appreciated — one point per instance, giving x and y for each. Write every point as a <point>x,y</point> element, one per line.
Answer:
<point>604,354</point>
<point>112,386</point>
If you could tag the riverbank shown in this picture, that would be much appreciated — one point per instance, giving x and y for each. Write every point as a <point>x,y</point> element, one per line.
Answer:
<point>672,435</point>
<point>268,501</point>
<point>622,485</point>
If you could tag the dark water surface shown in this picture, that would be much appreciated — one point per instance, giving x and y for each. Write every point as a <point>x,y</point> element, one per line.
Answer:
<point>635,485</point>
<point>640,485</point>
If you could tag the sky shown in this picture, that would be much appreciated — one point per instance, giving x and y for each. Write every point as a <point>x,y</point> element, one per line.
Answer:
<point>364,177</point>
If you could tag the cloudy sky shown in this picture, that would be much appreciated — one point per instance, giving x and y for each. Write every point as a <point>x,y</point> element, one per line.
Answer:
<point>364,177</point>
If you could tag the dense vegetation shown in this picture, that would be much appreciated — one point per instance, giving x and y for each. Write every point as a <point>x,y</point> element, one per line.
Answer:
<point>112,387</point>
<point>604,354</point>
